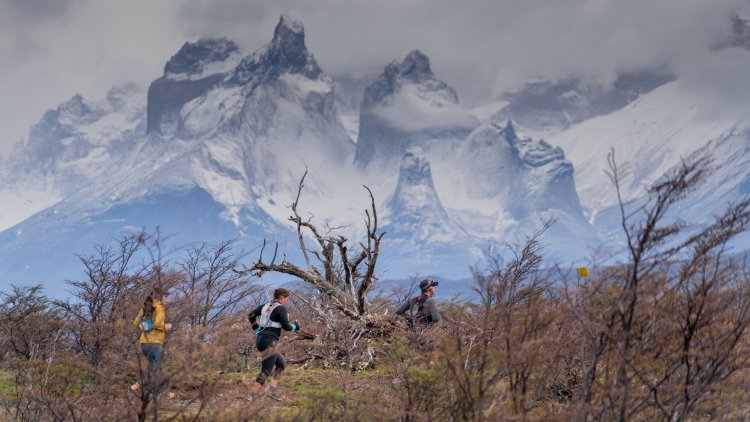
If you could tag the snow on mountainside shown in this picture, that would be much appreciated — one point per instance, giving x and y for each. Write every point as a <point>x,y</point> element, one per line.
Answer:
<point>547,178</point>
<point>508,186</point>
<point>348,97</point>
<point>491,187</point>
<point>551,106</point>
<point>219,146</point>
<point>196,68</point>
<point>70,147</point>
<point>240,142</point>
<point>489,184</point>
<point>415,206</point>
<point>650,135</point>
<point>270,118</point>
<point>406,107</point>
<point>247,137</point>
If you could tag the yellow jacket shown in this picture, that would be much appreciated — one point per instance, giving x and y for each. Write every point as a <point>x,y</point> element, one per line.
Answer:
<point>156,335</point>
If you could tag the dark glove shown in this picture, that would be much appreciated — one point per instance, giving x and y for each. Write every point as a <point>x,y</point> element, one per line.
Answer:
<point>252,318</point>
<point>296,325</point>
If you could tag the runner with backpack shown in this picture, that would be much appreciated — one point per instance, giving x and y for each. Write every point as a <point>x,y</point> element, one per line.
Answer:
<point>426,304</point>
<point>268,320</point>
<point>150,322</point>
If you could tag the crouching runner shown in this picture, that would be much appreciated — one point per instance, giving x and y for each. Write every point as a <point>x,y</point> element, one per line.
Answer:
<point>268,320</point>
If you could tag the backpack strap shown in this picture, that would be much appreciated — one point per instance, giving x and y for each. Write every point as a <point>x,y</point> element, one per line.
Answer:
<point>418,302</point>
<point>265,316</point>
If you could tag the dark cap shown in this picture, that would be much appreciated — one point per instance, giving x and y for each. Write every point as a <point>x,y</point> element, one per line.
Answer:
<point>425,284</point>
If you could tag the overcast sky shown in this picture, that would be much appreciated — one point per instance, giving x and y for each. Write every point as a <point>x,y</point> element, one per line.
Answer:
<point>52,49</point>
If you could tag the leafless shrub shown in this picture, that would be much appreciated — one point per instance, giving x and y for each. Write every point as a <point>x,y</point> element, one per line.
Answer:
<point>211,291</point>
<point>29,324</point>
<point>341,279</point>
<point>105,296</point>
<point>490,356</point>
<point>661,331</point>
<point>659,336</point>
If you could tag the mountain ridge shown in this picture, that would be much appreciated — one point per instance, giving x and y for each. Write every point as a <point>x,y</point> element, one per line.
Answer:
<point>232,134</point>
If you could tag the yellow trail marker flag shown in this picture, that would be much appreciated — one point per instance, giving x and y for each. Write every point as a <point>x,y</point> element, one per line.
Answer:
<point>582,272</point>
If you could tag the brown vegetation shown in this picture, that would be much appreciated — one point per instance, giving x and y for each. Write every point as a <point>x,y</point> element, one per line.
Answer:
<point>661,336</point>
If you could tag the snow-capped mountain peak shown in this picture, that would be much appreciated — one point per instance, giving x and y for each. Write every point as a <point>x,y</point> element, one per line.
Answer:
<point>218,149</point>
<point>413,72</point>
<point>194,70</point>
<point>407,106</point>
<point>198,59</point>
<point>286,53</point>
<point>415,171</point>
<point>415,67</point>
<point>415,207</point>
<point>75,109</point>
<point>290,35</point>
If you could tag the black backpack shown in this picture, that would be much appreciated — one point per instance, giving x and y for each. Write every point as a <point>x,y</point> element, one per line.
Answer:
<point>423,314</point>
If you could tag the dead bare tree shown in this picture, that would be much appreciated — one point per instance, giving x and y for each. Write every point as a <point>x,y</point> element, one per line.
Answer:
<point>341,277</point>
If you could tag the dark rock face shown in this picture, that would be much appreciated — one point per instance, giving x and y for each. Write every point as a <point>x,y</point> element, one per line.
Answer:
<point>167,95</point>
<point>377,138</point>
<point>558,104</point>
<point>740,36</point>
<point>414,172</point>
<point>192,57</point>
<point>289,40</point>
<point>166,98</point>
<point>44,137</point>
<point>286,53</point>
<point>414,69</point>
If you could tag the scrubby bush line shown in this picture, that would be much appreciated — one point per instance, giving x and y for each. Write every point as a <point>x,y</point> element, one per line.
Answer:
<point>661,336</point>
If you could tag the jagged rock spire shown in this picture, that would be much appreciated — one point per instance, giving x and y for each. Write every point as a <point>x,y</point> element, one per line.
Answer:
<point>412,84</point>
<point>289,37</point>
<point>415,67</point>
<point>286,53</point>
<point>415,198</point>
<point>192,56</point>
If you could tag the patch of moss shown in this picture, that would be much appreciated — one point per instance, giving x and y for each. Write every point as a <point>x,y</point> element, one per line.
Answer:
<point>7,385</point>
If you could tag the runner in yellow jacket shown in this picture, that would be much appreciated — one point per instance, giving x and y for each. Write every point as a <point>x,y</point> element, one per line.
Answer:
<point>150,321</point>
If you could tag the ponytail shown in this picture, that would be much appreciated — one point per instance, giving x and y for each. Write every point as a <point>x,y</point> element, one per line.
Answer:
<point>148,307</point>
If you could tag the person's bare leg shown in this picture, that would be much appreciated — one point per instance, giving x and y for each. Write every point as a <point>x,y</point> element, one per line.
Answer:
<point>255,389</point>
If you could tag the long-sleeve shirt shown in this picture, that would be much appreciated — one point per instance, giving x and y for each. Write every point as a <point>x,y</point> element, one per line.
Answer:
<point>156,335</point>
<point>279,314</point>
<point>427,310</point>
